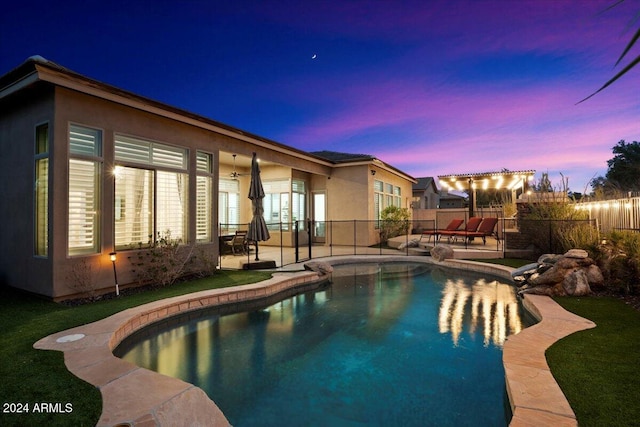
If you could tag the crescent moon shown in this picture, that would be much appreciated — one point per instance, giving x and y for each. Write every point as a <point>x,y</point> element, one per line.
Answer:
<point>314,56</point>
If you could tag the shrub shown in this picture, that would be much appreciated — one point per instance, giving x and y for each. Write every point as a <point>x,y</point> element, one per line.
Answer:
<point>204,263</point>
<point>80,278</point>
<point>554,225</point>
<point>619,259</point>
<point>163,262</point>
<point>575,234</point>
<point>394,222</point>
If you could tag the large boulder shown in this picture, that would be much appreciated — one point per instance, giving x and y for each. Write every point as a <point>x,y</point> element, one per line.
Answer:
<point>576,253</point>
<point>441,252</point>
<point>319,267</point>
<point>594,276</point>
<point>524,272</point>
<point>573,273</point>
<point>576,283</point>
<point>549,258</point>
<point>550,277</point>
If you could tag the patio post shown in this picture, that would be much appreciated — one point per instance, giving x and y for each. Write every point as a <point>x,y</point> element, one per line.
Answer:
<point>309,235</point>
<point>295,240</point>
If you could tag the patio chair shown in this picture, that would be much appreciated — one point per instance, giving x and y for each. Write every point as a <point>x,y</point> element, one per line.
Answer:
<point>238,242</point>
<point>453,225</point>
<point>486,228</point>
<point>472,226</point>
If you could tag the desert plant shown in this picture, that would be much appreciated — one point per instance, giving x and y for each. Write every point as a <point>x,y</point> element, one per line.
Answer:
<point>205,263</point>
<point>619,259</point>
<point>551,220</point>
<point>80,278</point>
<point>394,221</point>
<point>163,261</point>
<point>582,235</point>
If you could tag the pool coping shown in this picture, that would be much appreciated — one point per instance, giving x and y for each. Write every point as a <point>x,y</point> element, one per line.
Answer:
<point>135,396</point>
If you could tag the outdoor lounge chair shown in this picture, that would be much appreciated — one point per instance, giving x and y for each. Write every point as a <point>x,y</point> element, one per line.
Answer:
<point>486,228</point>
<point>238,242</point>
<point>472,226</point>
<point>453,225</point>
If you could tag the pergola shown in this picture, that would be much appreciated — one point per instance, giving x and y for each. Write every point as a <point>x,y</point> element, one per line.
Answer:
<point>510,180</point>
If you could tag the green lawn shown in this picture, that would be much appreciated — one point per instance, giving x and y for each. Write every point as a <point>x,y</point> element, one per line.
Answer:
<point>30,376</point>
<point>597,369</point>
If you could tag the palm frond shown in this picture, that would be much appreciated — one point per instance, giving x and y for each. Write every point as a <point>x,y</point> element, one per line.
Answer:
<point>629,66</point>
<point>633,40</point>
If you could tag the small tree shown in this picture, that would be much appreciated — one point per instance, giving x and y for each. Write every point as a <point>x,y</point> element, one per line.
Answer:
<point>80,278</point>
<point>394,221</point>
<point>619,259</point>
<point>163,262</point>
<point>624,168</point>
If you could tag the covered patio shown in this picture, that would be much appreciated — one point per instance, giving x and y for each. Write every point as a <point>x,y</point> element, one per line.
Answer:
<point>515,182</point>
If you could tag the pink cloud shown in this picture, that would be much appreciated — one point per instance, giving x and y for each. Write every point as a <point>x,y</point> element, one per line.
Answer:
<point>454,126</point>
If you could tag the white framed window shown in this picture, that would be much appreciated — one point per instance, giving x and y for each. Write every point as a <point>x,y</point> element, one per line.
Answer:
<point>172,191</point>
<point>41,191</point>
<point>385,195</point>
<point>133,212</point>
<point>139,151</point>
<point>276,203</point>
<point>204,196</point>
<point>151,192</point>
<point>229,203</point>
<point>299,202</point>
<point>378,199</point>
<point>85,167</point>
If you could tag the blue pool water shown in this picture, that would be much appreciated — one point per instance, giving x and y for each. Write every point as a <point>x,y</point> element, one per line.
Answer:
<point>384,344</point>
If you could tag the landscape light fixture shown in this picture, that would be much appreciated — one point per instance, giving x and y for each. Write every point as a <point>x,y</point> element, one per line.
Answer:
<point>113,257</point>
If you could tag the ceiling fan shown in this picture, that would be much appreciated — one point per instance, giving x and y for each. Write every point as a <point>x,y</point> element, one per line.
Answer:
<point>235,175</point>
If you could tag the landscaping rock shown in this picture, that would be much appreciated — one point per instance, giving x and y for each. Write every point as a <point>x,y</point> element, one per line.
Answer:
<point>319,267</point>
<point>594,276</point>
<point>442,252</point>
<point>548,258</point>
<point>573,273</point>
<point>576,283</point>
<point>525,270</point>
<point>413,243</point>
<point>576,253</point>
<point>550,277</point>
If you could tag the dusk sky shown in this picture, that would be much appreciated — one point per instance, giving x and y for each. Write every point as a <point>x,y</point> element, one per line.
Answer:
<point>430,87</point>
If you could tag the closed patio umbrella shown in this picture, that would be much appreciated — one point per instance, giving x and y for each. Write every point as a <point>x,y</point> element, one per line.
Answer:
<point>258,231</point>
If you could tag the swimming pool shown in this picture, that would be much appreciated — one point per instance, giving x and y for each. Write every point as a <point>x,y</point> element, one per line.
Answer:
<point>385,344</point>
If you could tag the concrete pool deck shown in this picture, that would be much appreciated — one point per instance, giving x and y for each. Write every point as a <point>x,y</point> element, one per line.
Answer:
<point>134,396</point>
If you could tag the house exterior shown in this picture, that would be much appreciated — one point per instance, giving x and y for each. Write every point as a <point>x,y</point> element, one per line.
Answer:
<point>425,194</point>
<point>87,170</point>
<point>451,200</point>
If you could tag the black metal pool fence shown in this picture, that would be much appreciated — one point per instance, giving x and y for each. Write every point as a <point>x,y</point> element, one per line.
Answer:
<point>300,241</point>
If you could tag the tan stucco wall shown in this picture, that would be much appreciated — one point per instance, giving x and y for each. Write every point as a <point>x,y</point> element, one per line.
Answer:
<point>111,118</point>
<point>349,190</point>
<point>19,117</point>
<point>350,195</point>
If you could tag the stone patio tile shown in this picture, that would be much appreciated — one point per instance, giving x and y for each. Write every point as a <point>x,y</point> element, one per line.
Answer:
<point>534,418</point>
<point>525,352</point>
<point>104,372</point>
<point>191,403</point>
<point>534,388</point>
<point>132,395</point>
<point>84,357</point>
